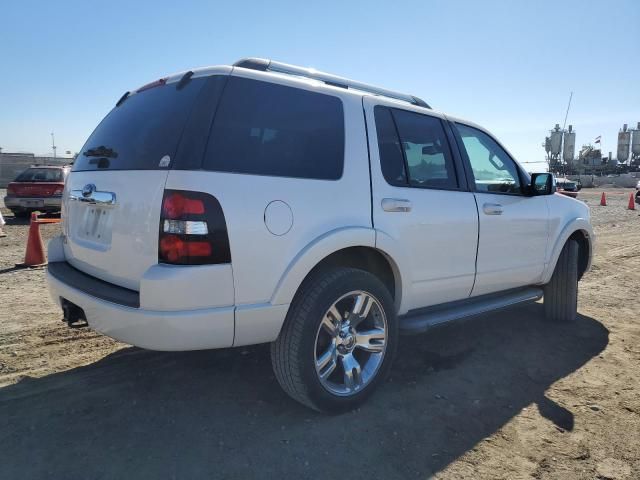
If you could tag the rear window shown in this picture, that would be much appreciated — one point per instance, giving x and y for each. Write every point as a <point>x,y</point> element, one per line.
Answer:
<point>143,132</point>
<point>262,128</point>
<point>41,175</point>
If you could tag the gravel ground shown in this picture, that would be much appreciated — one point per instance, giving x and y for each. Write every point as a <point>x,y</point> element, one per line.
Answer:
<point>505,396</point>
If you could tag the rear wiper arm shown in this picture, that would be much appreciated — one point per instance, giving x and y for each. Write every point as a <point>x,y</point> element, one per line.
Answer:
<point>101,151</point>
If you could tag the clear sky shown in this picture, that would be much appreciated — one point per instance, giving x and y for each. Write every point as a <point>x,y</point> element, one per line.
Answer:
<point>508,65</point>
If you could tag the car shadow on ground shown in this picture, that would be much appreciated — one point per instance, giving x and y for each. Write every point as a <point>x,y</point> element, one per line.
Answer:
<point>221,414</point>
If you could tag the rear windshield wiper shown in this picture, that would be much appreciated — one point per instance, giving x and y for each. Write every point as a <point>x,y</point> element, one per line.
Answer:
<point>101,151</point>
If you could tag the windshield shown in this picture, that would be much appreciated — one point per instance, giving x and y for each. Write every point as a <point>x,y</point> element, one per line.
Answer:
<point>41,175</point>
<point>143,132</point>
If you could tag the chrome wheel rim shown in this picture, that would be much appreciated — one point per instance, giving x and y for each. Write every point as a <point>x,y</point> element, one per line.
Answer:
<point>350,343</point>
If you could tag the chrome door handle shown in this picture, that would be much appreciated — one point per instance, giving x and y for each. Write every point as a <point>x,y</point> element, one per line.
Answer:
<point>492,209</point>
<point>396,205</point>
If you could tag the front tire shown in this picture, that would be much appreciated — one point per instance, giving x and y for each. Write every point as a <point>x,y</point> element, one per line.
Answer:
<point>561,293</point>
<point>338,341</point>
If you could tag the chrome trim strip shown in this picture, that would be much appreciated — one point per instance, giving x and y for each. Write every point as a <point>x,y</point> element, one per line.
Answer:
<point>95,198</point>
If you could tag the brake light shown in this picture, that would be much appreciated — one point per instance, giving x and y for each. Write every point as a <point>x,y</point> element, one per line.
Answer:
<point>193,230</point>
<point>175,205</point>
<point>173,248</point>
<point>11,189</point>
<point>157,83</point>
<point>59,189</point>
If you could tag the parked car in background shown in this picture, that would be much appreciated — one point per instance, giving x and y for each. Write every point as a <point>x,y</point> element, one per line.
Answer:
<point>271,203</point>
<point>567,187</point>
<point>38,188</point>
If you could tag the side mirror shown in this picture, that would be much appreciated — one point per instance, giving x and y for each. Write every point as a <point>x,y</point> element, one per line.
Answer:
<point>542,184</point>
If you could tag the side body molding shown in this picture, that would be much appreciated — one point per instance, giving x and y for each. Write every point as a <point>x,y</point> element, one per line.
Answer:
<point>577,224</point>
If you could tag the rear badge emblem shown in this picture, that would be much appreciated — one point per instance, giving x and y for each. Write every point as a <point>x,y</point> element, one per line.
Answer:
<point>164,161</point>
<point>88,189</point>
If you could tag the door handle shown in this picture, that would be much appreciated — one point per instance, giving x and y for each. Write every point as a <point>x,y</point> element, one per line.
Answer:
<point>492,209</point>
<point>396,205</point>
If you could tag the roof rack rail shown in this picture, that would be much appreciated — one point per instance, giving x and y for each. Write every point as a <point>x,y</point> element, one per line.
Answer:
<point>265,65</point>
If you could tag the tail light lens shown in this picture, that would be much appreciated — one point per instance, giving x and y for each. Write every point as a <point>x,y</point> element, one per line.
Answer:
<point>11,189</point>
<point>193,230</point>
<point>59,189</point>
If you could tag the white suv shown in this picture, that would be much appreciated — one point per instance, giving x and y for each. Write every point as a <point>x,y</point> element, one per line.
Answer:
<point>264,202</point>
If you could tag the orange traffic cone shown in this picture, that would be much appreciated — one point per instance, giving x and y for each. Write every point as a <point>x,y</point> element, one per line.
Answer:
<point>632,203</point>
<point>34,255</point>
<point>603,200</point>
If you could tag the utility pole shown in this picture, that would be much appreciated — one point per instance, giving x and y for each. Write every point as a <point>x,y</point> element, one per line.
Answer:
<point>53,145</point>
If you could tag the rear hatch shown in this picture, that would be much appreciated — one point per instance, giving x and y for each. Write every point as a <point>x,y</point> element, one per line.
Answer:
<point>113,195</point>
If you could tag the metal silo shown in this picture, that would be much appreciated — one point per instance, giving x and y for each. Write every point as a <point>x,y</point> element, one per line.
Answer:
<point>569,145</point>
<point>556,141</point>
<point>624,140</point>
<point>635,144</point>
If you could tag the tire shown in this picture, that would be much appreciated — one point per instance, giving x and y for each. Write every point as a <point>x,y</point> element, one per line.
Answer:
<point>561,293</point>
<point>21,213</point>
<point>297,352</point>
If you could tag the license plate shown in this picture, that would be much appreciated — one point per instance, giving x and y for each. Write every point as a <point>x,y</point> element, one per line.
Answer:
<point>95,225</point>
<point>33,203</point>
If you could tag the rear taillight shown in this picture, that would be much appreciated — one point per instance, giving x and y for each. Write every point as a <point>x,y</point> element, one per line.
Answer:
<point>59,189</point>
<point>11,189</point>
<point>193,230</point>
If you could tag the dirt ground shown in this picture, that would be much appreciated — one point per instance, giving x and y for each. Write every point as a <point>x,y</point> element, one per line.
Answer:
<point>504,396</point>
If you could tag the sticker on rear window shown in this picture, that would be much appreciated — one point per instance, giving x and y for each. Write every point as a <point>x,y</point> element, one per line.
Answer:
<point>164,161</point>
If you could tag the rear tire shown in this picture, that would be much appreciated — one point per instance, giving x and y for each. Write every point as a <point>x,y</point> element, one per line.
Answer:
<point>561,293</point>
<point>336,375</point>
<point>21,213</point>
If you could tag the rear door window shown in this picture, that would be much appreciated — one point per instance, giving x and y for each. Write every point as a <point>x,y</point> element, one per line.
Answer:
<point>143,132</point>
<point>414,150</point>
<point>263,128</point>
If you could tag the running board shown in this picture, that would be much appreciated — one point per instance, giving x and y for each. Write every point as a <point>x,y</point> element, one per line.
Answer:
<point>421,320</point>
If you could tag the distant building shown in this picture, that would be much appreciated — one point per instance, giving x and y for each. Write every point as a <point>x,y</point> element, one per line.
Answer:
<point>12,163</point>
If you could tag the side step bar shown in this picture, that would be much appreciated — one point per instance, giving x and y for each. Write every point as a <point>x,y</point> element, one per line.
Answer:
<point>419,321</point>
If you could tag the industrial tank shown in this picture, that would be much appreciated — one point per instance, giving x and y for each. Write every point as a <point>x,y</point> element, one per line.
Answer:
<point>635,143</point>
<point>556,140</point>
<point>624,140</point>
<point>569,145</point>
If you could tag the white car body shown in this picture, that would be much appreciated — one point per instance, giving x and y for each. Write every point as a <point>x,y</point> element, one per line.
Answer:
<point>449,246</point>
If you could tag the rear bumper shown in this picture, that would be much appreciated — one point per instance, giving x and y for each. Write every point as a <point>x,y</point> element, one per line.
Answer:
<point>163,316</point>
<point>568,193</point>
<point>156,330</point>
<point>33,203</point>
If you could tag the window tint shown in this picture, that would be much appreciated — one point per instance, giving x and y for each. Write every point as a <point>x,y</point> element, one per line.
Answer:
<point>426,150</point>
<point>41,175</point>
<point>267,129</point>
<point>142,131</point>
<point>493,170</point>
<point>421,150</point>
<point>391,159</point>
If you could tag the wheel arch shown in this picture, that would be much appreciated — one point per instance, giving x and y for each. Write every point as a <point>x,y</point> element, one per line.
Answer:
<point>351,247</point>
<point>580,230</point>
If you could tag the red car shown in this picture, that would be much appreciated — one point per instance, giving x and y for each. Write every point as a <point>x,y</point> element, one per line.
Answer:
<point>38,188</point>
